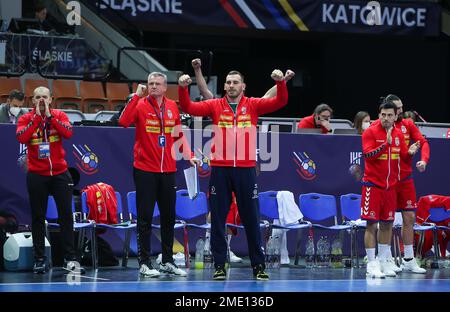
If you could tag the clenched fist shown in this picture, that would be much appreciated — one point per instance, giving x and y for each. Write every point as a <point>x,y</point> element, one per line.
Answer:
<point>141,89</point>
<point>277,75</point>
<point>196,63</point>
<point>289,75</point>
<point>184,80</point>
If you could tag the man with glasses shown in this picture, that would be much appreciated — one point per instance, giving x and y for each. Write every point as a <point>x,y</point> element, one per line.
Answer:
<point>319,119</point>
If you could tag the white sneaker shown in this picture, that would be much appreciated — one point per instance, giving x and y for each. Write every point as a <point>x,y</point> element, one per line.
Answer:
<point>412,266</point>
<point>148,271</point>
<point>391,263</point>
<point>373,269</point>
<point>171,268</point>
<point>386,268</point>
<point>158,259</point>
<point>234,258</point>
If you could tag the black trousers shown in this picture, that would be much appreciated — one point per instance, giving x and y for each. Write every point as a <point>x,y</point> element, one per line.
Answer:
<point>161,188</point>
<point>241,181</point>
<point>39,188</point>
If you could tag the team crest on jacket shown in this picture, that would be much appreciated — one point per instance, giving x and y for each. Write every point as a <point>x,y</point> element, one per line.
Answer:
<point>397,141</point>
<point>169,114</point>
<point>403,129</point>
<point>244,110</point>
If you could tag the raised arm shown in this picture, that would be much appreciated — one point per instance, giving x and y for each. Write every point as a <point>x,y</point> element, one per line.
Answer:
<point>129,113</point>
<point>264,105</point>
<point>201,83</point>
<point>272,92</point>
<point>26,126</point>
<point>202,108</point>
<point>62,125</point>
<point>371,148</point>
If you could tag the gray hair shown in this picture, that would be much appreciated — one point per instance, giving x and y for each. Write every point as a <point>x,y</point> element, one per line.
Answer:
<point>157,74</point>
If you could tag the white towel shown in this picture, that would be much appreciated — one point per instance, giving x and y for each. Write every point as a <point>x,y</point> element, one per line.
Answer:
<point>289,213</point>
<point>287,208</point>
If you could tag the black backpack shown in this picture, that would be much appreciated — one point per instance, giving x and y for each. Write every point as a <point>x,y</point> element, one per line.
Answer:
<point>8,224</point>
<point>106,255</point>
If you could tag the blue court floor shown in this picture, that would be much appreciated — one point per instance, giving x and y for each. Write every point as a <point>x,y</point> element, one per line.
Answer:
<point>240,279</point>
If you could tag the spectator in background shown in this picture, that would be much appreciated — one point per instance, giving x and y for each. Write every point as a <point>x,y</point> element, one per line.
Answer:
<point>319,119</point>
<point>361,121</point>
<point>12,109</point>
<point>48,22</point>
<point>410,115</point>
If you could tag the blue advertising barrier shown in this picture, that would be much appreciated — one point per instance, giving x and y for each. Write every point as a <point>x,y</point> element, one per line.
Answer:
<point>306,163</point>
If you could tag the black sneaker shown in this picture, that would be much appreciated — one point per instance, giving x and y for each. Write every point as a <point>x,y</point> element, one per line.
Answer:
<point>259,274</point>
<point>74,267</point>
<point>220,274</point>
<point>40,267</point>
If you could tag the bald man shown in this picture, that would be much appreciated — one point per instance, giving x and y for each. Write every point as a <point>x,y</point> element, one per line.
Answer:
<point>42,130</point>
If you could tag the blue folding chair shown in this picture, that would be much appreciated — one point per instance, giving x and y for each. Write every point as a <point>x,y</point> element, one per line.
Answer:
<point>132,210</point>
<point>188,209</point>
<point>436,215</point>
<point>80,227</point>
<point>319,208</point>
<point>125,226</point>
<point>351,211</point>
<point>268,207</point>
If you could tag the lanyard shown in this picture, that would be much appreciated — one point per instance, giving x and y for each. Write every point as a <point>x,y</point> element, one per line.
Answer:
<point>44,130</point>
<point>161,114</point>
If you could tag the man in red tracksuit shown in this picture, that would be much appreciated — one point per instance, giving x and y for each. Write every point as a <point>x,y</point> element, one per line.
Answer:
<point>158,127</point>
<point>233,161</point>
<point>406,192</point>
<point>320,119</point>
<point>383,149</point>
<point>42,130</point>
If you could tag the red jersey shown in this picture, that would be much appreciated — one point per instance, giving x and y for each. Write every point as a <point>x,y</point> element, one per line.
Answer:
<point>234,142</point>
<point>102,203</point>
<point>155,136</point>
<point>411,134</point>
<point>310,123</point>
<point>430,201</point>
<point>382,160</point>
<point>36,132</point>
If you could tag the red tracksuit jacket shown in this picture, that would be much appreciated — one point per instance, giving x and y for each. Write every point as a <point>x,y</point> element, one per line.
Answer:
<point>234,142</point>
<point>148,154</point>
<point>412,134</point>
<point>309,123</point>
<point>102,203</point>
<point>430,201</point>
<point>382,161</point>
<point>32,130</point>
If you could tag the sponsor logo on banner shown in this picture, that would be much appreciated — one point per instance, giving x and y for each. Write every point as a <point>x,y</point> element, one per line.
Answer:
<point>306,167</point>
<point>22,158</point>
<point>87,160</point>
<point>204,169</point>
<point>355,158</point>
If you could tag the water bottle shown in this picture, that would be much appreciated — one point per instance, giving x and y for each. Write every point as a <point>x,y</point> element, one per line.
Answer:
<point>326,252</point>
<point>199,247</point>
<point>336,254</point>
<point>276,257</point>
<point>320,260</point>
<point>207,255</point>
<point>309,253</point>
<point>269,253</point>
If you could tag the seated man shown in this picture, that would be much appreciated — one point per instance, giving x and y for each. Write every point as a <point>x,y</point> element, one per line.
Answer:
<point>12,109</point>
<point>319,119</point>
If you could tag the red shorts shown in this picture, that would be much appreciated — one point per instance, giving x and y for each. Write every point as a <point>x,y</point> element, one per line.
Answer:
<point>406,196</point>
<point>378,204</point>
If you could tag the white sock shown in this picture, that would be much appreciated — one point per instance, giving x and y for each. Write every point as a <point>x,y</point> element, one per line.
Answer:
<point>389,253</point>
<point>409,251</point>
<point>383,251</point>
<point>370,254</point>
